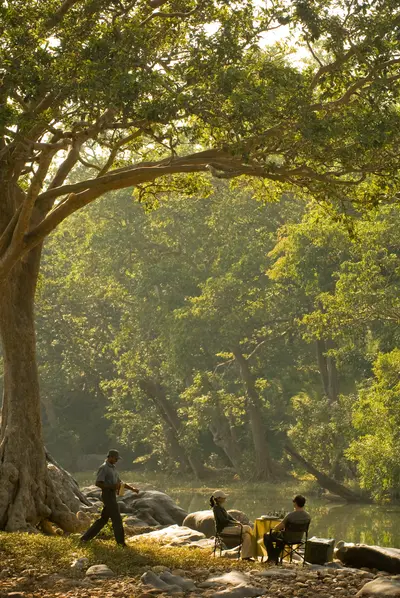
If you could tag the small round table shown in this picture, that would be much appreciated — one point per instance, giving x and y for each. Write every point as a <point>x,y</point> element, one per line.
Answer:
<point>262,525</point>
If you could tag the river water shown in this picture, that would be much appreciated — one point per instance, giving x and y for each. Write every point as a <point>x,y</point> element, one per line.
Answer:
<point>369,524</point>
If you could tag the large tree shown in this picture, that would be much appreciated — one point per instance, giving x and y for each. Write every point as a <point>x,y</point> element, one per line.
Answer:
<point>117,84</point>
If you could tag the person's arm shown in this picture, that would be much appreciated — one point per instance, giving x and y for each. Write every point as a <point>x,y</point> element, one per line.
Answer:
<point>231,518</point>
<point>223,516</point>
<point>281,526</point>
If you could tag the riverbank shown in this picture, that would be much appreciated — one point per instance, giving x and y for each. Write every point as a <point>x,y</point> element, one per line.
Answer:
<point>367,524</point>
<point>36,565</point>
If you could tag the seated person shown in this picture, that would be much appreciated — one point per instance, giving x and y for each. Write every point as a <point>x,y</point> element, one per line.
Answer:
<point>276,539</point>
<point>227,524</point>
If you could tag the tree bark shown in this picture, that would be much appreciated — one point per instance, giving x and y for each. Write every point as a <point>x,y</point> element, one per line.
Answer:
<point>263,466</point>
<point>328,370</point>
<point>325,481</point>
<point>27,495</point>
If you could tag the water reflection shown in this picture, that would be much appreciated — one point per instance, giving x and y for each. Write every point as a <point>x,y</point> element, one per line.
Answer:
<point>370,524</point>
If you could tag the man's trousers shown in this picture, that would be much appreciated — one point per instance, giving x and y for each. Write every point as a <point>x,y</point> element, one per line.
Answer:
<point>274,543</point>
<point>110,511</point>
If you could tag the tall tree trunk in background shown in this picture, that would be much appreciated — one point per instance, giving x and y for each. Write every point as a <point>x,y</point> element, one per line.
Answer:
<point>263,466</point>
<point>327,369</point>
<point>333,377</point>
<point>220,428</point>
<point>156,392</point>
<point>50,412</point>
<point>175,448</point>
<point>322,365</point>
<point>27,495</point>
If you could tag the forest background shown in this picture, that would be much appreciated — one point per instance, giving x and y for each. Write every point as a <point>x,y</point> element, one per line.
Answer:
<point>157,325</point>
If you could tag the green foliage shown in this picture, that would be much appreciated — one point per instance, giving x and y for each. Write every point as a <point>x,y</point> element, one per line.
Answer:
<point>377,420</point>
<point>323,430</point>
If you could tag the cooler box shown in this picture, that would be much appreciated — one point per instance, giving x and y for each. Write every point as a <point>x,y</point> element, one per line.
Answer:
<point>319,551</point>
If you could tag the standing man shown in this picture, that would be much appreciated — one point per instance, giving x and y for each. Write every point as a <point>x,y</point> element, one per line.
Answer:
<point>109,481</point>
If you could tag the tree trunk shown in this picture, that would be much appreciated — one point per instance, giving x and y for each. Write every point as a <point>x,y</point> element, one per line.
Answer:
<point>27,495</point>
<point>68,482</point>
<point>175,449</point>
<point>222,435</point>
<point>327,369</point>
<point>325,481</point>
<point>333,378</point>
<point>156,392</point>
<point>263,466</point>
<point>322,365</point>
<point>51,416</point>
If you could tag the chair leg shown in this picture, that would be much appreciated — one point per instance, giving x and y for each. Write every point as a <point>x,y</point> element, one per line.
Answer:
<point>240,546</point>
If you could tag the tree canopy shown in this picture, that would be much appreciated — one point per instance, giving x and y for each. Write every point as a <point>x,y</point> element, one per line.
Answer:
<point>129,87</point>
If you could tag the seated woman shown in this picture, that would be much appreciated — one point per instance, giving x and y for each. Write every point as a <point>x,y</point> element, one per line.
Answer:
<point>227,524</point>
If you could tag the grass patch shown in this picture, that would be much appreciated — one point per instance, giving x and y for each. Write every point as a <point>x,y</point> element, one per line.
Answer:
<point>54,554</point>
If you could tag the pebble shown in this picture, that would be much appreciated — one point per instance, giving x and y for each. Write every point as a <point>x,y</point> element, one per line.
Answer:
<point>99,571</point>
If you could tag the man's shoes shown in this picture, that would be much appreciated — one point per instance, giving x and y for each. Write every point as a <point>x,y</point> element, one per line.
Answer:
<point>249,558</point>
<point>124,545</point>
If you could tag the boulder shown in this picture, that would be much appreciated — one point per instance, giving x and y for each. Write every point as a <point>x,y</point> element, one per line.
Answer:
<point>173,535</point>
<point>150,507</point>
<point>203,521</point>
<point>92,492</point>
<point>155,582</point>
<point>372,557</point>
<point>383,586</point>
<point>154,507</point>
<point>233,578</point>
<point>186,584</point>
<point>135,522</point>
<point>242,591</point>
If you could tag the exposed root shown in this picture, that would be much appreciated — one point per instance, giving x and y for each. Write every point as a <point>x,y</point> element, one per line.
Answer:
<point>29,497</point>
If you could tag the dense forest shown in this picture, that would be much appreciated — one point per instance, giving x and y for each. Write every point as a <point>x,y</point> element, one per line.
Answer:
<point>213,329</point>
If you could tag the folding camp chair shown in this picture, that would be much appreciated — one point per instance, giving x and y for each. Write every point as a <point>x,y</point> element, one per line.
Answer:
<point>297,546</point>
<point>219,540</point>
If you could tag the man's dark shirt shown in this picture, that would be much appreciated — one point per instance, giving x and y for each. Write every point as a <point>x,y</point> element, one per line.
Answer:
<point>298,518</point>
<point>108,474</point>
<point>222,518</point>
